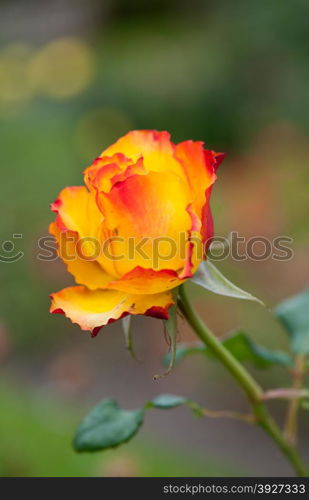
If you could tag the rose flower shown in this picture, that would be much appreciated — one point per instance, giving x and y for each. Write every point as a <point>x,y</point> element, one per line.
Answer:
<point>135,231</point>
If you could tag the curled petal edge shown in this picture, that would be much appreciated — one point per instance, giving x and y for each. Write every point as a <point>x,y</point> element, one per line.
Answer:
<point>94,309</point>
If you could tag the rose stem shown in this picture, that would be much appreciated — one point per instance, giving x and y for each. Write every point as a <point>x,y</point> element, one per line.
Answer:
<point>291,418</point>
<point>252,389</point>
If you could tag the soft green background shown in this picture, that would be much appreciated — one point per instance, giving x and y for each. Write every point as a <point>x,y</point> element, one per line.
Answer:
<point>231,73</point>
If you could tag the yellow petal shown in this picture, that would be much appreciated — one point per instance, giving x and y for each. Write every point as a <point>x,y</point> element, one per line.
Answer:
<point>92,309</point>
<point>78,212</point>
<point>86,272</point>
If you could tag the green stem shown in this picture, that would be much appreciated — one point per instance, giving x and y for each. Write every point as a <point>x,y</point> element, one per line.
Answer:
<point>252,389</point>
<point>291,418</point>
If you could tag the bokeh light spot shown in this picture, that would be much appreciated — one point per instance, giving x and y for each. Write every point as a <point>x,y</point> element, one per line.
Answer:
<point>63,68</point>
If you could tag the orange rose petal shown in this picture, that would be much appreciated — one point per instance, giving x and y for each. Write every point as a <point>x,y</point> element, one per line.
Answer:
<point>200,166</point>
<point>141,187</point>
<point>137,168</point>
<point>100,174</point>
<point>147,214</point>
<point>146,281</point>
<point>155,147</point>
<point>207,220</point>
<point>194,250</point>
<point>200,174</point>
<point>93,309</point>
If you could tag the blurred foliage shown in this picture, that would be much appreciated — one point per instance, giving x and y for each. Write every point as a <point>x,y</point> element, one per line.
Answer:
<point>241,347</point>
<point>108,426</point>
<point>42,446</point>
<point>294,315</point>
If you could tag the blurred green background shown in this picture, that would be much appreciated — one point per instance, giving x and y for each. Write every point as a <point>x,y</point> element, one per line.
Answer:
<point>74,76</point>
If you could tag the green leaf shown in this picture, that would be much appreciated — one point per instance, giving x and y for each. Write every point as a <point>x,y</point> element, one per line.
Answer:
<point>127,331</point>
<point>170,326</point>
<point>242,347</point>
<point>167,401</point>
<point>107,426</point>
<point>294,315</point>
<point>305,404</point>
<point>209,277</point>
<point>171,330</point>
<point>183,350</point>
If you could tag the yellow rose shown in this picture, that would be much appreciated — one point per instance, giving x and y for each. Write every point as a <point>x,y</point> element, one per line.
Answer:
<point>135,231</point>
